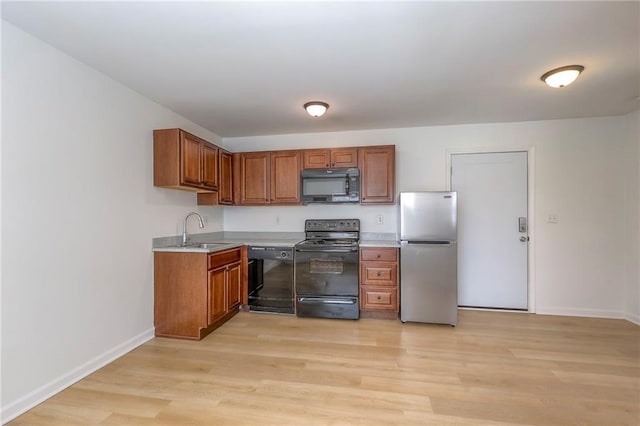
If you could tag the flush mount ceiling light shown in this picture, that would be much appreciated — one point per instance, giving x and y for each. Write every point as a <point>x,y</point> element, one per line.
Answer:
<point>562,76</point>
<point>316,108</point>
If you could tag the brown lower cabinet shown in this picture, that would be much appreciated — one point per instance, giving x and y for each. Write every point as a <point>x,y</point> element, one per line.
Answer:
<point>379,280</point>
<point>197,292</point>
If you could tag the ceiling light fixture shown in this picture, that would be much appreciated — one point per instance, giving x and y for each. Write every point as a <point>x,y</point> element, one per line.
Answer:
<point>316,108</point>
<point>562,76</point>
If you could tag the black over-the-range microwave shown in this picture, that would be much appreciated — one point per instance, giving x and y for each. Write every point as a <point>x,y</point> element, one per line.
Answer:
<point>331,186</point>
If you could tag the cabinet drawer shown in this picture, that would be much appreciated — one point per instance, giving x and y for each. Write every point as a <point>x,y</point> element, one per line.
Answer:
<point>223,258</point>
<point>378,298</point>
<point>378,273</point>
<point>383,254</point>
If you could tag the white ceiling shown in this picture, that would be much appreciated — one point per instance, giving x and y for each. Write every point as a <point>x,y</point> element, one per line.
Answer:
<point>246,68</point>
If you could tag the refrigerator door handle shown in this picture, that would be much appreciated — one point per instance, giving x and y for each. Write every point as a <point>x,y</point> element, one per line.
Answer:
<point>431,243</point>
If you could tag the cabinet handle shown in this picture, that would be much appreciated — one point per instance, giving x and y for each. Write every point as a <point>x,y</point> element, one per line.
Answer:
<point>379,297</point>
<point>378,256</point>
<point>379,273</point>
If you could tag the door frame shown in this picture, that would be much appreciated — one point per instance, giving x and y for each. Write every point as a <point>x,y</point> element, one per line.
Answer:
<point>531,275</point>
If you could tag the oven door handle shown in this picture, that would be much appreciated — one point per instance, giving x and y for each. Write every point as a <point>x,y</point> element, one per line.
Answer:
<point>326,301</point>
<point>327,250</point>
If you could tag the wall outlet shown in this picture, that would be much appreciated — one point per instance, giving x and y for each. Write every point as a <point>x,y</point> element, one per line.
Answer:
<point>277,220</point>
<point>552,218</point>
<point>379,219</point>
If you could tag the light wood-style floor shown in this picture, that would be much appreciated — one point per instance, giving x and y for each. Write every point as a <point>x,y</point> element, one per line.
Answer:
<point>262,369</point>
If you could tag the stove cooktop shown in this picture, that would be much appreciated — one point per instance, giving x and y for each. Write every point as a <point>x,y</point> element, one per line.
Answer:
<point>331,233</point>
<point>330,243</point>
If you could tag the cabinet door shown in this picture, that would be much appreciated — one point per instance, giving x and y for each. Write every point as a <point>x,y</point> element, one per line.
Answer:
<point>316,158</point>
<point>377,169</point>
<point>191,164</point>
<point>225,183</point>
<point>344,157</point>
<point>217,296</point>
<point>210,166</point>
<point>234,277</point>
<point>285,177</point>
<point>254,178</point>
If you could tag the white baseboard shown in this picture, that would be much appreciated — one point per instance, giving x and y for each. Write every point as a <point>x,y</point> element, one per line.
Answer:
<point>14,408</point>
<point>578,312</point>
<point>634,318</point>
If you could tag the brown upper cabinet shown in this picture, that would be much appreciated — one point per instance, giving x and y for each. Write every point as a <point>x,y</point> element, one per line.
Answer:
<point>333,158</point>
<point>377,174</point>
<point>269,177</point>
<point>225,187</point>
<point>187,162</point>
<point>184,161</point>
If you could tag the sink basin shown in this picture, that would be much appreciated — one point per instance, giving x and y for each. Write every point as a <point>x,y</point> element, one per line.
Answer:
<point>198,247</point>
<point>201,245</point>
<point>209,245</point>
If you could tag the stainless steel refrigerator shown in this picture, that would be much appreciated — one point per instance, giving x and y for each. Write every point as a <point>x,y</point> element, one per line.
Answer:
<point>428,257</point>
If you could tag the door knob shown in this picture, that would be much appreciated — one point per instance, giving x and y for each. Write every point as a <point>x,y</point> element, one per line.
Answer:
<point>524,239</point>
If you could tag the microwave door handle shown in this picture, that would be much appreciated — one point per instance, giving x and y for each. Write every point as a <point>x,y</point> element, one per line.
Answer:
<point>346,185</point>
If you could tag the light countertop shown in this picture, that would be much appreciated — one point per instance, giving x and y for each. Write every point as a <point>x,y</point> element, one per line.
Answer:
<point>227,243</point>
<point>233,242</point>
<point>224,245</point>
<point>379,243</point>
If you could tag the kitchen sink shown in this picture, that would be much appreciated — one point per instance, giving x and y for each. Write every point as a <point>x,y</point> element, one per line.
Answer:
<point>204,245</point>
<point>209,245</point>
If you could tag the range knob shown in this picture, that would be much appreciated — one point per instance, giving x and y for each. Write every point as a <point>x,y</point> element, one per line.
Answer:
<point>283,254</point>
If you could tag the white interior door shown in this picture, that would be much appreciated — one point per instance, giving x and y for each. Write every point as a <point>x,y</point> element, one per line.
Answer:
<point>492,246</point>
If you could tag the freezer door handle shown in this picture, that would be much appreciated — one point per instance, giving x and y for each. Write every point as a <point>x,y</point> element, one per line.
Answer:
<point>431,243</point>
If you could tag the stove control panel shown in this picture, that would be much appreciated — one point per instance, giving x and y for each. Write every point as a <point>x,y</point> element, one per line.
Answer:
<point>340,225</point>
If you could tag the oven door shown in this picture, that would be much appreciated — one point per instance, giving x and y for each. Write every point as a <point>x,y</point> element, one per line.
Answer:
<point>326,272</point>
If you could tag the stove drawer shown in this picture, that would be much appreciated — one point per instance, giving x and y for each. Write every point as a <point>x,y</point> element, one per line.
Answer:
<point>327,307</point>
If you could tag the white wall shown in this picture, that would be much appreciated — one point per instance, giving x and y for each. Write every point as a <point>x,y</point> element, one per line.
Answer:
<point>579,261</point>
<point>632,224</point>
<point>78,214</point>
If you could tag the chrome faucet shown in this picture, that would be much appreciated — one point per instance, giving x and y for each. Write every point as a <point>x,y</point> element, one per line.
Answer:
<point>185,236</point>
